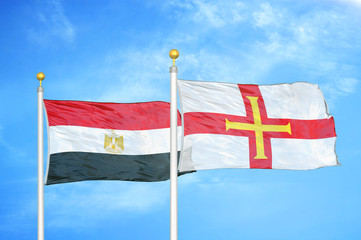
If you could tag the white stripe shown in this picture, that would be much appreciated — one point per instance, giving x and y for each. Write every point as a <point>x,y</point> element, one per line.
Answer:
<point>211,151</point>
<point>303,154</point>
<point>211,97</point>
<point>295,101</point>
<point>299,100</point>
<point>85,139</point>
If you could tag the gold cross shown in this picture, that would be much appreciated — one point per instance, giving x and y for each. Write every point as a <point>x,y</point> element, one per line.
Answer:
<point>258,127</point>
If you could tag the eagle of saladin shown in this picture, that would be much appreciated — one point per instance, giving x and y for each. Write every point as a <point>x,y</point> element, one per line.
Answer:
<point>113,142</point>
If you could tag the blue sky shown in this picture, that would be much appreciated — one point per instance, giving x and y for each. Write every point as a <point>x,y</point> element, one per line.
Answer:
<point>118,51</point>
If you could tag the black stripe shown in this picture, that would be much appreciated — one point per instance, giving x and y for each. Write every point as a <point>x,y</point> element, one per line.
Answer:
<point>81,166</point>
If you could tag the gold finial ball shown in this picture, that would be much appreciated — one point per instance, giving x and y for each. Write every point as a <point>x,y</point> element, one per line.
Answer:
<point>173,53</point>
<point>40,76</point>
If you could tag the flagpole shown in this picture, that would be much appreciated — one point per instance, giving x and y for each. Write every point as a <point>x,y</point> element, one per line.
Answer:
<point>173,148</point>
<point>40,76</point>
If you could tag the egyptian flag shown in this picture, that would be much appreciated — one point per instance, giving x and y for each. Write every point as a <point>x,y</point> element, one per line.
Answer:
<point>108,141</point>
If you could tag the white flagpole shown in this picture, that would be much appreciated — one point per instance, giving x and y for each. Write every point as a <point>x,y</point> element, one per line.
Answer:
<point>40,76</point>
<point>173,148</point>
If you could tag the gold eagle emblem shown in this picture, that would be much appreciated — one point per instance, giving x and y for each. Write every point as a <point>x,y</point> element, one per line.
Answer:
<point>113,142</point>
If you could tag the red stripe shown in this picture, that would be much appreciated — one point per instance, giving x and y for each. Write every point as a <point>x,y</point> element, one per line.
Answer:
<point>214,123</point>
<point>126,116</point>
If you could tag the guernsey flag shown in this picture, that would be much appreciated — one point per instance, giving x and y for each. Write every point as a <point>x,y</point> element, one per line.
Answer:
<point>284,126</point>
<point>108,141</point>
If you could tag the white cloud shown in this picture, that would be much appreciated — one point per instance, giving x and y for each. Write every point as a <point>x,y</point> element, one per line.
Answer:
<point>214,14</point>
<point>268,16</point>
<point>218,15</point>
<point>52,24</point>
<point>347,85</point>
<point>307,41</point>
<point>353,2</point>
<point>338,87</point>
